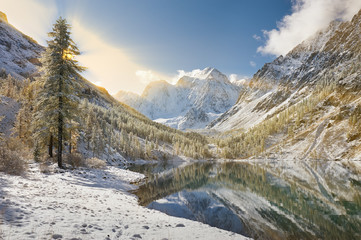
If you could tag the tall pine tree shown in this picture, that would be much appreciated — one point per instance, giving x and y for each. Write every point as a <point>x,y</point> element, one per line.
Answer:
<point>56,100</point>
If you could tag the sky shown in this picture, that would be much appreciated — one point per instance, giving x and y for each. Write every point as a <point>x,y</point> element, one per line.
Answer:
<point>126,44</point>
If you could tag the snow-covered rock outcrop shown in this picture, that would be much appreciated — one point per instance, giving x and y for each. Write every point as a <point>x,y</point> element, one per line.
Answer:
<point>195,100</point>
<point>19,54</point>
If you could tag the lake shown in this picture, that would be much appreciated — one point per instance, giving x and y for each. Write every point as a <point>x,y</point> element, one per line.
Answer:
<point>262,200</point>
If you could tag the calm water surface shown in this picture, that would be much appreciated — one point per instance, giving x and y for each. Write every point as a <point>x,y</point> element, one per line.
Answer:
<point>252,201</point>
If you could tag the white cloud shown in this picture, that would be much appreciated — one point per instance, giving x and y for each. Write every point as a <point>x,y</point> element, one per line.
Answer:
<point>234,78</point>
<point>182,73</point>
<point>256,37</point>
<point>147,76</point>
<point>237,79</point>
<point>32,17</point>
<point>308,17</point>
<point>193,73</point>
<point>253,64</point>
<point>196,73</point>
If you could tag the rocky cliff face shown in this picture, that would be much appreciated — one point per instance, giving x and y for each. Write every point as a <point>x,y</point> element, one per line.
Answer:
<point>19,53</point>
<point>194,101</point>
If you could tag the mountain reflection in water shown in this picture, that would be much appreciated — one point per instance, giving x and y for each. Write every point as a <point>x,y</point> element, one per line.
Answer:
<point>250,200</point>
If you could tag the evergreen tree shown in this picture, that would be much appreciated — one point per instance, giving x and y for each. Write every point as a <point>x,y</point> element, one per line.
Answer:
<point>56,101</point>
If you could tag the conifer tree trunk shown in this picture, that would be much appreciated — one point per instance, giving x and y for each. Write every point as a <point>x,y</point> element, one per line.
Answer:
<point>70,142</point>
<point>60,128</point>
<point>60,142</point>
<point>51,146</point>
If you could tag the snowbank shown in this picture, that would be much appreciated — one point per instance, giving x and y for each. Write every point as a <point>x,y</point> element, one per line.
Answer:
<point>87,204</point>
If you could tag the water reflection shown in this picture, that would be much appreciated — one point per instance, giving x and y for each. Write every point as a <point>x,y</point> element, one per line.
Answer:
<point>250,200</point>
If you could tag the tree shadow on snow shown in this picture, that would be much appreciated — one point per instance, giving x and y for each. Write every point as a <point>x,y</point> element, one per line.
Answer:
<point>10,212</point>
<point>96,178</point>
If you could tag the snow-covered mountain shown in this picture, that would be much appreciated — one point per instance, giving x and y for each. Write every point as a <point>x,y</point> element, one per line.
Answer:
<point>194,101</point>
<point>315,85</point>
<point>19,54</point>
<point>276,82</point>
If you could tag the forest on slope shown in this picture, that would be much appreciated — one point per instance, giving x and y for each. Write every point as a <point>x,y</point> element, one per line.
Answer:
<point>103,127</point>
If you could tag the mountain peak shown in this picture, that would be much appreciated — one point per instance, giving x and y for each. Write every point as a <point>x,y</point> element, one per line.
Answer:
<point>213,73</point>
<point>208,72</point>
<point>3,17</point>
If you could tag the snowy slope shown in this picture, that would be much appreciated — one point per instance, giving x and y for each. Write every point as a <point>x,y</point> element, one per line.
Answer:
<point>87,204</point>
<point>195,100</point>
<point>331,59</point>
<point>289,78</point>
<point>276,82</point>
<point>18,53</point>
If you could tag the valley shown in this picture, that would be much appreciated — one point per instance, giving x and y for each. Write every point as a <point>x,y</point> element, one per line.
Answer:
<point>209,156</point>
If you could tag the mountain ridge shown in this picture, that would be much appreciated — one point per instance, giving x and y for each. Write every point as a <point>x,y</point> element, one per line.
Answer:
<point>288,103</point>
<point>197,98</point>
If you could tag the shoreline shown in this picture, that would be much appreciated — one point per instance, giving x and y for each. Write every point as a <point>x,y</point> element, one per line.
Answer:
<point>87,204</point>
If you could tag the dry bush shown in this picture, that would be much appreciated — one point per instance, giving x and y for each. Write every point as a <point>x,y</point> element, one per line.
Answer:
<point>11,162</point>
<point>44,167</point>
<point>15,145</point>
<point>12,144</point>
<point>95,163</point>
<point>75,160</point>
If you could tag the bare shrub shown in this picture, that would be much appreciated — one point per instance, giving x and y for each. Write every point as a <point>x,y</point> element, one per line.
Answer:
<point>75,160</point>
<point>13,144</point>
<point>11,162</point>
<point>95,163</point>
<point>44,167</point>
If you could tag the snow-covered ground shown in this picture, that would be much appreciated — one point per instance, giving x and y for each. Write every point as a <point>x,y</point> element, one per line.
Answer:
<point>87,204</point>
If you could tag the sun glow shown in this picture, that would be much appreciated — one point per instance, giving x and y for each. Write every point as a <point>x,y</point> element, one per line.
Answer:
<point>67,55</point>
<point>109,65</point>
